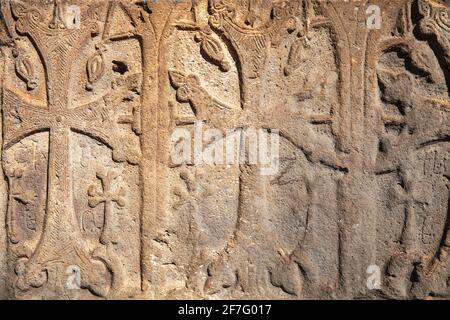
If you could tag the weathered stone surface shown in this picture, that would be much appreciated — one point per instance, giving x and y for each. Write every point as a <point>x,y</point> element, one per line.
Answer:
<point>94,92</point>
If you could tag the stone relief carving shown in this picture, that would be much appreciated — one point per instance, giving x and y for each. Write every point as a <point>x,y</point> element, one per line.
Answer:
<point>362,116</point>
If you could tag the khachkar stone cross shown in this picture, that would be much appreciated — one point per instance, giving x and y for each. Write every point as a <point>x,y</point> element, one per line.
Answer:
<point>61,242</point>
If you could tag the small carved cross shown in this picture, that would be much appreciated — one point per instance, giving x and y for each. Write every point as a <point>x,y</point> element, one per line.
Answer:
<point>108,194</point>
<point>16,190</point>
<point>16,193</point>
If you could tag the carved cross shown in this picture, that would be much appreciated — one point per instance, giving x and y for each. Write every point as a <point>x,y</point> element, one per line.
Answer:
<point>108,194</point>
<point>16,190</point>
<point>23,117</point>
<point>16,193</point>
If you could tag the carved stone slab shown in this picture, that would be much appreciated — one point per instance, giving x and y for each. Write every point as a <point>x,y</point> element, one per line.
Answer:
<point>352,99</point>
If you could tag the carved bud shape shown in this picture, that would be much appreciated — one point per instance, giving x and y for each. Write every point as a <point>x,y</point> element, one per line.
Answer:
<point>213,51</point>
<point>25,71</point>
<point>95,68</point>
<point>177,78</point>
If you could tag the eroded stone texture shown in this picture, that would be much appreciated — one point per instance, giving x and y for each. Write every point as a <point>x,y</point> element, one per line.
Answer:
<point>95,207</point>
